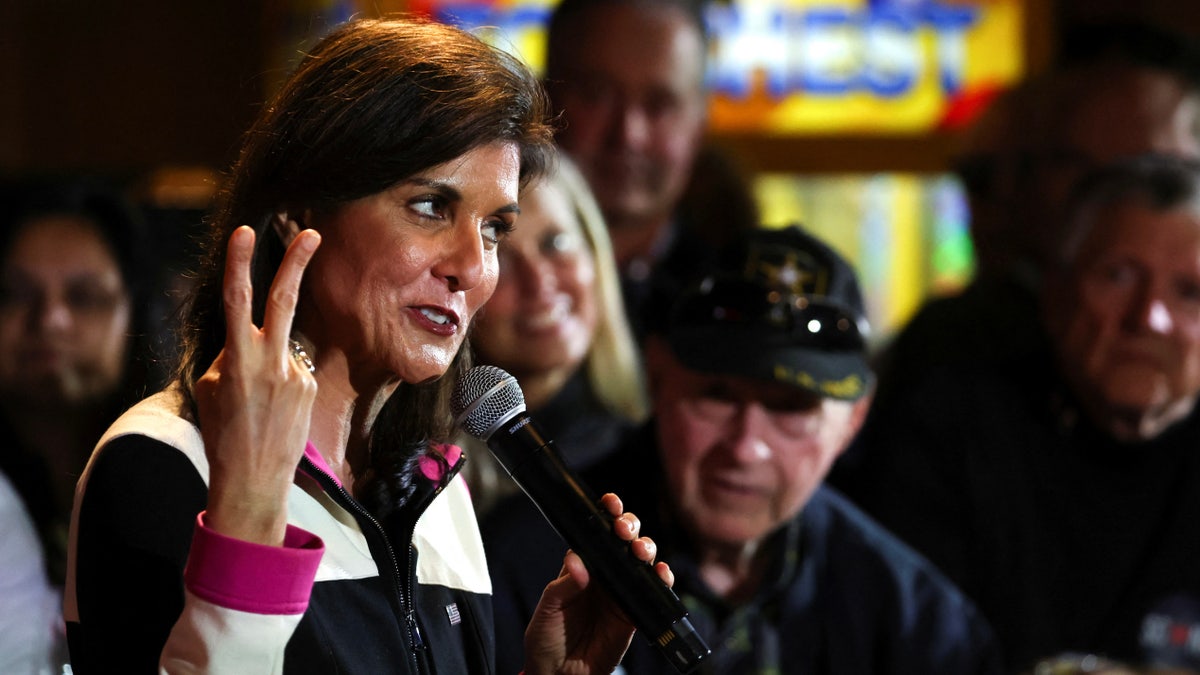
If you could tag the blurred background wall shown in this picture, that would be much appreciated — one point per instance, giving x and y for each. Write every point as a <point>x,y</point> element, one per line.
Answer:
<point>155,94</point>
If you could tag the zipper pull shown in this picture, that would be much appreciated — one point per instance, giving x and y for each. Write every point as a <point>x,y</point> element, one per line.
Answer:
<point>414,632</point>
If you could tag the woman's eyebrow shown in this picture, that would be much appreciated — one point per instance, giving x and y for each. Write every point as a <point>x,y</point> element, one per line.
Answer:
<point>454,194</point>
<point>445,189</point>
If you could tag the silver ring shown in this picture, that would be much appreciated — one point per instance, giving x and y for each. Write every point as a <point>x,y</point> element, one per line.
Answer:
<point>301,356</point>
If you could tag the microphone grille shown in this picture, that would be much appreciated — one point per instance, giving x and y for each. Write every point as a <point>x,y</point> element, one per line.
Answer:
<point>485,397</point>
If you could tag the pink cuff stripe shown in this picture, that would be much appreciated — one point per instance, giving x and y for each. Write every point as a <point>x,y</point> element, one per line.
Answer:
<point>253,577</point>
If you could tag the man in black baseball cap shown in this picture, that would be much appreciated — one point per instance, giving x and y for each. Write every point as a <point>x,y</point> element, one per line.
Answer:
<point>759,380</point>
<point>784,308</point>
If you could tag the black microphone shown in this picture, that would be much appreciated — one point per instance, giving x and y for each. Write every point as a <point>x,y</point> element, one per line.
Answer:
<point>489,405</point>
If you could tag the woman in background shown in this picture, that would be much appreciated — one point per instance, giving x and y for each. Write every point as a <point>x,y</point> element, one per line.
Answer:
<point>75,317</point>
<point>557,324</point>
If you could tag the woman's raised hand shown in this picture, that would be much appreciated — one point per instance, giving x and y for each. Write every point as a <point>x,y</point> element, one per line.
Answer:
<point>255,401</point>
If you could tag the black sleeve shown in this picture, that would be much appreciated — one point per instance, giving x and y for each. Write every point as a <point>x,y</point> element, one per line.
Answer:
<point>134,531</point>
<point>915,481</point>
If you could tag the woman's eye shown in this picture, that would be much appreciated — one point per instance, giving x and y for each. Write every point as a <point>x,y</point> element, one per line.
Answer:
<point>87,297</point>
<point>429,207</point>
<point>559,242</point>
<point>19,295</point>
<point>495,230</point>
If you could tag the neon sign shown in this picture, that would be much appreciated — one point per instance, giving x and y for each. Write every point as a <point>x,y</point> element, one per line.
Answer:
<point>818,66</point>
<point>833,50</point>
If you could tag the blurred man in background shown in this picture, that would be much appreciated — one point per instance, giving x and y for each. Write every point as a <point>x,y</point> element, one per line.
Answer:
<point>628,77</point>
<point>1058,489</point>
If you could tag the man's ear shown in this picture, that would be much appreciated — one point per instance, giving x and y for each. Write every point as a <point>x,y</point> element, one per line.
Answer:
<point>285,227</point>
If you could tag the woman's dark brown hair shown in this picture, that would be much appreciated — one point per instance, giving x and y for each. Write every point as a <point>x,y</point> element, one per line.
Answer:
<point>374,103</point>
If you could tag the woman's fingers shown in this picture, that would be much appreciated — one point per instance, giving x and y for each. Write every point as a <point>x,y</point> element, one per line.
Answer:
<point>629,527</point>
<point>237,293</point>
<point>626,525</point>
<point>665,573</point>
<point>281,299</point>
<point>255,417</point>
<point>612,503</point>
<point>285,289</point>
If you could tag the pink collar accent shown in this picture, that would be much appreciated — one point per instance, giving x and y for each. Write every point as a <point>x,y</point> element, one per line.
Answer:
<point>433,470</point>
<point>314,456</point>
<point>429,467</point>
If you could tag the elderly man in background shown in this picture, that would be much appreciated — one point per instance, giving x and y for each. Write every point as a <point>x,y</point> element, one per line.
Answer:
<point>1059,489</point>
<point>759,380</point>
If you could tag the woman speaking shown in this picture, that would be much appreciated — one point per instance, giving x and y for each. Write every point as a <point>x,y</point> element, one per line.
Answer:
<point>288,504</point>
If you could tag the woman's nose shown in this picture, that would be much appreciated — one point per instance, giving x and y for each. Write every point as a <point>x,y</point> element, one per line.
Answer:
<point>50,312</point>
<point>462,265</point>
<point>531,272</point>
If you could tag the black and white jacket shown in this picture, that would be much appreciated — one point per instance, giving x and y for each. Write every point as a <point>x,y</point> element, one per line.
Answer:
<point>150,588</point>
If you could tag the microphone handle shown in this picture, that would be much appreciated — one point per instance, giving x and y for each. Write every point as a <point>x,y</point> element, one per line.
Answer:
<point>574,512</point>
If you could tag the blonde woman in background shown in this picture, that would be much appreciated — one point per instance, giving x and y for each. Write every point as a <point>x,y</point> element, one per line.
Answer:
<point>557,323</point>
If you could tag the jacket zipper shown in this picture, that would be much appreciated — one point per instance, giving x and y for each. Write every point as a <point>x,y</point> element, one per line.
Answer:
<point>414,630</point>
<point>403,585</point>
